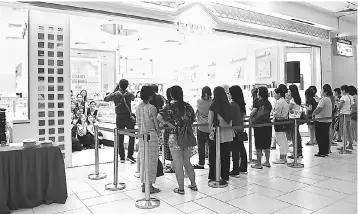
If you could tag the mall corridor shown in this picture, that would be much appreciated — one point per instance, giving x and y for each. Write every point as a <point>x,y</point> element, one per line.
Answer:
<point>324,186</point>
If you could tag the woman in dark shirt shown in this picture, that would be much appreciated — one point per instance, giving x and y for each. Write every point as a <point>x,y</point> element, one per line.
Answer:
<point>237,148</point>
<point>311,105</point>
<point>263,135</point>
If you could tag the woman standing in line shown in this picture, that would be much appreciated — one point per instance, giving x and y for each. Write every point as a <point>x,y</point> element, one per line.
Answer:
<point>148,125</point>
<point>311,105</point>
<point>202,113</point>
<point>263,135</point>
<point>337,136</point>
<point>167,154</point>
<point>353,92</point>
<point>237,148</point>
<point>295,110</point>
<point>324,109</point>
<point>281,114</point>
<point>220,112</point>
<point>179,116</point>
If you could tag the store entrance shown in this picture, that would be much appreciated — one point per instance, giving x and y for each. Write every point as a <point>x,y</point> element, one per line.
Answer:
<point>104,51</point>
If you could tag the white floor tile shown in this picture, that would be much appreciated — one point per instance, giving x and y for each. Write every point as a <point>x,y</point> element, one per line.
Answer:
<point>216,205</point>
<point>189,207</point>
<point>258,204</point>
<point>170,210</point>
<point>79,211</point>
<point>232,194</point>
<point>338,185</point>
<point>72,203</point>
<point>176,199</point>
<point>282,184</point>
<point>351,198</point>
<point>293,210</point>
<point>307,200</point>
<point>104,199</point>
<point>115,207</point>
<point>23,211</point>
<point>339,207</point>
<point>86,195</point>
<point>325,192</point>
<point>204,211</point>
<point>264,191</point>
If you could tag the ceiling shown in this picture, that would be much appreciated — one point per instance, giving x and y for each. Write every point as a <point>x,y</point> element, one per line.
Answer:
<point>334,7</point>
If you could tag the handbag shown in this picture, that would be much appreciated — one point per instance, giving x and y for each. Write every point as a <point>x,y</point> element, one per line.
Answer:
<point>160,170</point>
<point>186,137</point>
<point>282,127</point>
<point>132,116</point>
<point>256,118</point>
<point>242,136</point>
<point>212,129</point>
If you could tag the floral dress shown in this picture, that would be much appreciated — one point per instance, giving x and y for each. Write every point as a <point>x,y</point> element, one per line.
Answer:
<point>171,114</point>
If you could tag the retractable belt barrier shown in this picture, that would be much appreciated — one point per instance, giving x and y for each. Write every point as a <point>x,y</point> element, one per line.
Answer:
<point>96,175</point>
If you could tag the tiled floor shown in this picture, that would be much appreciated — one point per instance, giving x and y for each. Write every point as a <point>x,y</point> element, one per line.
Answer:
<point>323,186</point>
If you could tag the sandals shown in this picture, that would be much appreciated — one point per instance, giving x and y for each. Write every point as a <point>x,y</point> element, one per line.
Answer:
<point>169,170</point>
<point>193,187</point>
<point>267,165</point>
<point>179,191</point>
<point>256,166</point>
<point>153,190</point>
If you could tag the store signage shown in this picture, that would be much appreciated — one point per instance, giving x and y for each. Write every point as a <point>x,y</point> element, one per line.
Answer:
<point>342,47</point>
<point>193,28</point>
<point>263,54</point>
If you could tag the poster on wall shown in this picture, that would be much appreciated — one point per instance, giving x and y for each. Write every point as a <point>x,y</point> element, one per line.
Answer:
<point>238,68</point>
<point>264,69</point>
<point>85,75</point>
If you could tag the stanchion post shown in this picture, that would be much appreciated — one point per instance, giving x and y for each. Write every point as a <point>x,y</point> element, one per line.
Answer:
<point>147,202</point>
<point>163,147</point>
<point>96,175</point>
<point>218,183</point>
<point>295,164</point>
<point>250,140</point>
<point>115,186</point>
<point>344,139</point>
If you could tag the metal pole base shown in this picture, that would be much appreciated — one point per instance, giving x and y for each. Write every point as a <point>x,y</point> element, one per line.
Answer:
<point>345,152</point>
<point>98,176</point>
<point>218,184</point>
<point>112,187</point>
<point>150,204</point>
<point>295,165</point>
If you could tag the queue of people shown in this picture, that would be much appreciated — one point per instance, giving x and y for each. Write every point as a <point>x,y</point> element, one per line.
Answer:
<point>225,108</point>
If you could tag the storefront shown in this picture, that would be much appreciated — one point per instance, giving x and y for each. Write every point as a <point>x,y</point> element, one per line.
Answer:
<point>192,45</point>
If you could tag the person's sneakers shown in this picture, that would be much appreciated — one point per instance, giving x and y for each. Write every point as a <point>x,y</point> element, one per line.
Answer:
<point>243,172</point>
<point>122,160</point>
<point>350,147</point>
<point>197,166</point>
<point>334,144</point>
<point>280,161</point>
<point>273,148</point>
<point>320,155</point>
<point>255,166</point>
<point>137,175</point>
<point>234,174</point>
<point>266,165</point>
<point>131,159</point>
<point>298,156</point>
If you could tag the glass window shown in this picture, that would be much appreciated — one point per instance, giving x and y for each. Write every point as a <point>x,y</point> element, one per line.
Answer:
<point>14,42</point>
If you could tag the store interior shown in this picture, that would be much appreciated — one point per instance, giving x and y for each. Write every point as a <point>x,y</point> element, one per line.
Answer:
<point>104,51</point>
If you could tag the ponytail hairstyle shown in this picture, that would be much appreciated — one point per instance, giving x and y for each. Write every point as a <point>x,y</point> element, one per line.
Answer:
<point>177,94</point>
<point>295,94</point>
<point>169,94</point>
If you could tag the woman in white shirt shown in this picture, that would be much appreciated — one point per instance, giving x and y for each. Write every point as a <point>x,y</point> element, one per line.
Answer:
<point>324,109</point>
<point>220,114</point>
<point>344,107</point>
<point>295,112</point>
<point>281,114</point>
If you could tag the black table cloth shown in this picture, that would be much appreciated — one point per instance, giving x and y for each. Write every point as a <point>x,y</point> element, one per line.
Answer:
<point>31,177</point>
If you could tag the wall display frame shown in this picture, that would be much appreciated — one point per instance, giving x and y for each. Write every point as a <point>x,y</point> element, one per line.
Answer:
<point>264,69</point>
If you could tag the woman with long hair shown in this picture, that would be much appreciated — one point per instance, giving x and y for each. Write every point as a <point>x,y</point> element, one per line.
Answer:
<point>324,109</point>
<point>311,105</point>
<point>148,125</point>
<point>180,116</point>
<point>82,132</point>
<point>167,154</point>
<point>353,92</point>
<point>220,114</point>
<point>202,112</point>
<point>263,135</point>
<point>295,111</point>
<point>237,148</point>
<point>84,95</point>
<point>280,113</point>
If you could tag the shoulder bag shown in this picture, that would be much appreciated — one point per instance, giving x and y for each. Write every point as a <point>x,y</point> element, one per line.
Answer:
<point>281,127</point>
<point>131,115</point>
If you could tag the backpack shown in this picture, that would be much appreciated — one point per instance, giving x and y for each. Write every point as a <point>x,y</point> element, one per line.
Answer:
<point>123,107</point>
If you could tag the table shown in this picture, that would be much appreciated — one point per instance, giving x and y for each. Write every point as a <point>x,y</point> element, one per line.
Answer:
<point>31,177</point>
